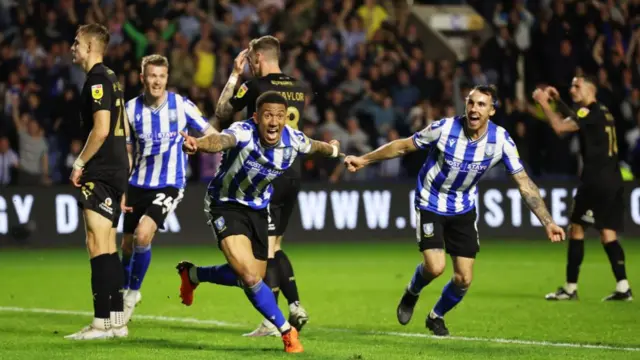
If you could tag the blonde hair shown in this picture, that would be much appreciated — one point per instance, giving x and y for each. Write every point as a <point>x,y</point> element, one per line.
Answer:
<point>154,59</point>
<point>267,45</point>
<point>96,31</point>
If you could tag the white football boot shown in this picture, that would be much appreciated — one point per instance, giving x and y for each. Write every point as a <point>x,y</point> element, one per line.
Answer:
<point>131,299</point>
<point>266,328</point>
<point>98,330</point>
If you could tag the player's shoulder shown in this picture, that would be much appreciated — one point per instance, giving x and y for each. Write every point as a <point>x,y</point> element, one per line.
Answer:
<point>134,101</point>
<point>101,73</point>
<point>437,124</point>
<point>244,125</point>
<point>291,136</point>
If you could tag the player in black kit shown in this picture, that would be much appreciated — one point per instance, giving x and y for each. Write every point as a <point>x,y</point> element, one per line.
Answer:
<point>101,171</point>
<point>263,57</point>
<point>599,200</point>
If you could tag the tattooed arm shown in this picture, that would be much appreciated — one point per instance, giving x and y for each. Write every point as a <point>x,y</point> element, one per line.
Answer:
<point>331,149</point>
<point>531,195</point>
<point>214,142</point>
<point>224,109</point>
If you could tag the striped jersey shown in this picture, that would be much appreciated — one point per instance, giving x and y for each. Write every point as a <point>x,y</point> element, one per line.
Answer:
<point>247,170</point>
<point>159,160</point>
<point>455,164</point>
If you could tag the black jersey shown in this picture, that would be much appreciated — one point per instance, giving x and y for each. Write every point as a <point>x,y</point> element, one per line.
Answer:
<point>102,91</point>
<point>598,146</point>
<point>293,90</point>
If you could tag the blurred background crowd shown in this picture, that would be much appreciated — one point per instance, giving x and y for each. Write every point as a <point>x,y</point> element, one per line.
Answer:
<point>371,76</point>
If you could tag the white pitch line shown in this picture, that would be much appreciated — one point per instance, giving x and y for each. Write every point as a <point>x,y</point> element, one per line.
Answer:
<point>352,331</point>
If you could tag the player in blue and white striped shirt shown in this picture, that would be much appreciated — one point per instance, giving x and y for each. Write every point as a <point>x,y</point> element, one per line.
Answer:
<point>256,152</point>
<point>157,181</point>
<point>461,149</point>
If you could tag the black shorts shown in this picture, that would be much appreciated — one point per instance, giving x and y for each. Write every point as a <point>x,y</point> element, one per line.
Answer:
<point>101,198</point>
<point>457,234</point>
<point>155,203</point>
<point>599,207</point>
<point>283,202</point>
<point>235,219</point>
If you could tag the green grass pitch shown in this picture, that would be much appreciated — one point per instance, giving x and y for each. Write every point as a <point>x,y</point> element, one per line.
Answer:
<point>351,292</point>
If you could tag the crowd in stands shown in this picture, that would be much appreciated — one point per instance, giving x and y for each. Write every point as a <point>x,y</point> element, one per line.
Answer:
<point>371,80</point>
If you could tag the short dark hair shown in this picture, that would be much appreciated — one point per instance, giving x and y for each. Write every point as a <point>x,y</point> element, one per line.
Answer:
<point>271,97</point>
<point>490,90</point>
<point>97,31</point>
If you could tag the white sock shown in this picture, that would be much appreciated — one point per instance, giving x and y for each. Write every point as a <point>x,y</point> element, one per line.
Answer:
<point>101,324</point>
<point>117,319</point>
<point>193,275</point>
<point>622,286</point>
<point>570,287</point>
<point>132,293</point>
<point>433,315</point>
<point>285,327</point>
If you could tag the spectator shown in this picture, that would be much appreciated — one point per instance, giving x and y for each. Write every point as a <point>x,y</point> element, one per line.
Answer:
<point>34,160</point>
<point>9,162</point>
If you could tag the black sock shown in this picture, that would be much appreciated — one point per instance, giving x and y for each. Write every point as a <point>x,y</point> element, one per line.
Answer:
<point>117,282</point>
<point>575,254</point>
<point>272,279</point>
<point>287,279</point>
<point>101,285</point>
<point>616,258</point>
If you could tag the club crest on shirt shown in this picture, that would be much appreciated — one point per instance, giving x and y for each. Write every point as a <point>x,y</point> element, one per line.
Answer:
<point>219,223</point>
<point>243,90</point>
<point>489,150</point>
<point>96,92</point>
<point>427,229</point>
<point>287,154</point>
<point>173,115</point>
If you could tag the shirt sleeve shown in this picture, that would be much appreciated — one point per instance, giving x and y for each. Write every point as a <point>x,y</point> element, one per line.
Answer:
<point>302,143</point>
<point>245,93</point>
<point>241,131</point>
<point>195,120</point>
<point>510,156</point>
<point>429,135</point>
<point>101,93</point>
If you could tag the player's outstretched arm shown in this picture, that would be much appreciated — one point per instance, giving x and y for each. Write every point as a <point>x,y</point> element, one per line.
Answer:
<point>211,143</point>
<point>387,151</point>
<point>330,149</point>
<point>531,195</point>
<point>559,125</point>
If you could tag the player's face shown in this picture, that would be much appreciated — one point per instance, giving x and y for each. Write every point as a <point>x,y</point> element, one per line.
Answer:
<point>270,119</point>
<point>155,79</point>
<point>253,59</point>
<point>580,90</point>
<point>479,109</point>
<point>80,49</point>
